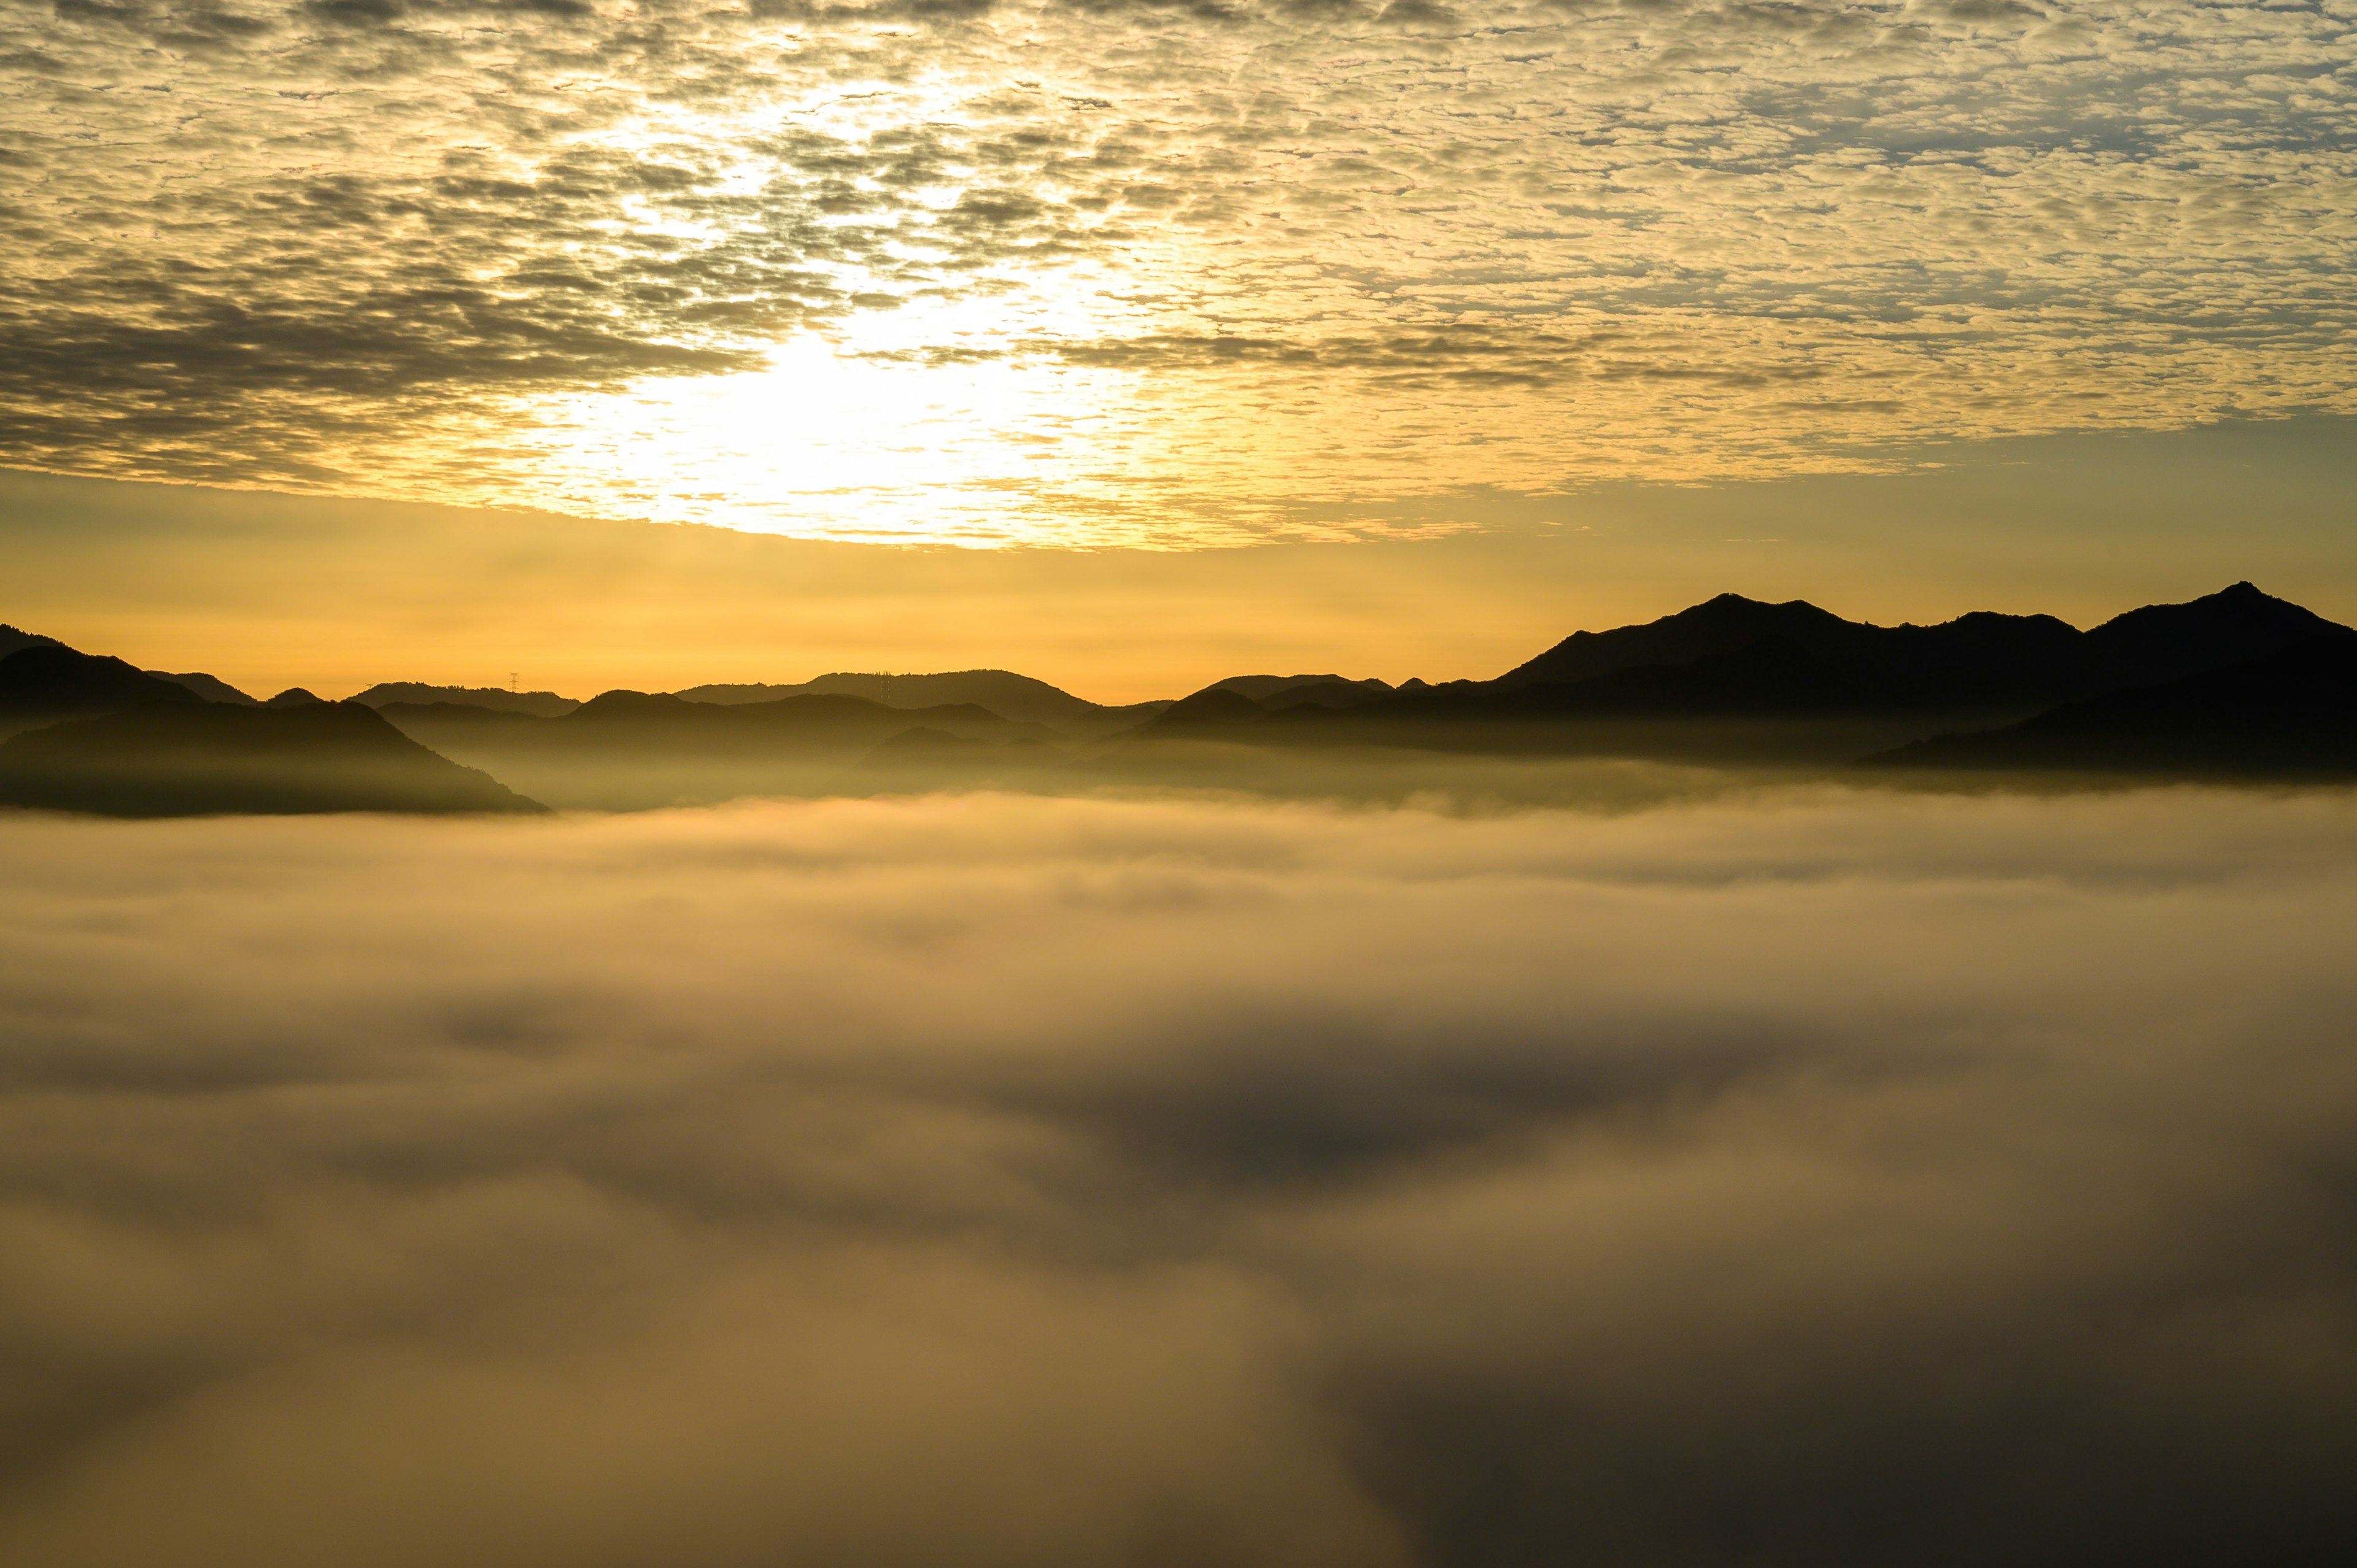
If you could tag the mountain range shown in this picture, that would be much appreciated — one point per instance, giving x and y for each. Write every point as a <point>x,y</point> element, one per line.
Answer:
<point>1003,691</point>
<point>2236,684</point>
<point>193,758</point>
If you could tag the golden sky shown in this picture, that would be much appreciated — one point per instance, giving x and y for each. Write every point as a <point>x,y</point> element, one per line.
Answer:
<point>1127,272</point>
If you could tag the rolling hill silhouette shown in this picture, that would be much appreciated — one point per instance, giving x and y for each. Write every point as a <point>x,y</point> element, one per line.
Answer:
<point>1975,658</point>
<point>1733,657</point>
<point>1981,659</point>
<point>627,750</point>
<point>10,639</point>
<point>2233,684</point>
<point>1736,681</point>
<point>541,704</point>
<point>1009,696</point>
<point>197,759</point>
<point>2289,715</point>
<point>1277,693</point>
<point>45,682</point>
<point>212,688</point>
<point>1212,710</point>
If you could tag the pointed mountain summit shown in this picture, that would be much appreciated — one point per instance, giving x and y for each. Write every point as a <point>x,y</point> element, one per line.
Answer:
<point>2163,642</point>
<point>1721,625</point>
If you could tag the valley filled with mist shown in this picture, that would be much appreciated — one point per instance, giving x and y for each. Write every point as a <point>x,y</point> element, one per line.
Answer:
<point>1790,1175</point>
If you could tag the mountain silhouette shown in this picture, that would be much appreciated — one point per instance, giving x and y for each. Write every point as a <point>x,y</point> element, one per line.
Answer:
<point>2161,642</point>
<point>2288,714</point>
<point>1734,680</point>
<point>1211,710</point>
<point>660,718</point>
<point>212,688</point>
<point>1776,675</point>
<point>1979,659</point>
<point>1009,696</point>
<point>1723,625</point>
<point>44,682</point>
<point>199,758</point>
<point>2236,683</point>
<point>10,639</point>
<point>1277,693</point>
<point>542,704</point>
<point>628,750</point>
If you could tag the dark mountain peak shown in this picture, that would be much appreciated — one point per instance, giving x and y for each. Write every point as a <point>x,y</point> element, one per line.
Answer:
<point>2241,603</point>
<point>292,697</point>
<point>2161,642</point>
<point>51,679</point>
<point>1716,625</point>
<point>1720,606</point>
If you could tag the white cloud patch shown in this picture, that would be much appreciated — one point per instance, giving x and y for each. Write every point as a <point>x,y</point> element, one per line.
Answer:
<point>1815,1177</point>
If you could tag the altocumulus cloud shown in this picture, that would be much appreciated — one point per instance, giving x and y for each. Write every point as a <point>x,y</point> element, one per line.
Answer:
<point>381,244</point>
<point>1808,1178</point>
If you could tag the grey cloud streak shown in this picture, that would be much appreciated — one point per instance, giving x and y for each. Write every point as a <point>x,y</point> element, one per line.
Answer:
<point>249,246</point>
<point>1808,1177</point>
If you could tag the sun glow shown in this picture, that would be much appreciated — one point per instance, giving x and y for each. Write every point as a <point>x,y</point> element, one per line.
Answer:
<point>930,422</point>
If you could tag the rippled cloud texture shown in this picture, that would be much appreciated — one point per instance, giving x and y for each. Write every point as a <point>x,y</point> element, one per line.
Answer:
<point>1809,1178</point>
<point>1140,271</point>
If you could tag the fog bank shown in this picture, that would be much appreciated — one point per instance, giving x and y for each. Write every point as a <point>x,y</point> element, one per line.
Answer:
<point>1808,1177</point>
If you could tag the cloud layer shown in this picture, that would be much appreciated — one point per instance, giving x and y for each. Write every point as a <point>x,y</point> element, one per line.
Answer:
<point>1802,1177</point>
<point>1133,271</point>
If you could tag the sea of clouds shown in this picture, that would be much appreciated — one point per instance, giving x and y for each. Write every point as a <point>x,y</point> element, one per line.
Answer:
<point>1810,1177</point>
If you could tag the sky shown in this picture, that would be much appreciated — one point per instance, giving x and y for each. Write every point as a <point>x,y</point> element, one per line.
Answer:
<point>1128,278</point>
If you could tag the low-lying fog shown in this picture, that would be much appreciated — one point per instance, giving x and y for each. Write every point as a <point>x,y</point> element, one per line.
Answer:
<point>1802,1177</point>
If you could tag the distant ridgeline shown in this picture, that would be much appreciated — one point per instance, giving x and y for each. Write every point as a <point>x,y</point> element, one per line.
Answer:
<point>2235,686</point>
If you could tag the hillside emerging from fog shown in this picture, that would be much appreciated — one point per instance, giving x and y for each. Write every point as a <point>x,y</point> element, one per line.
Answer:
<point>2237,686</point>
